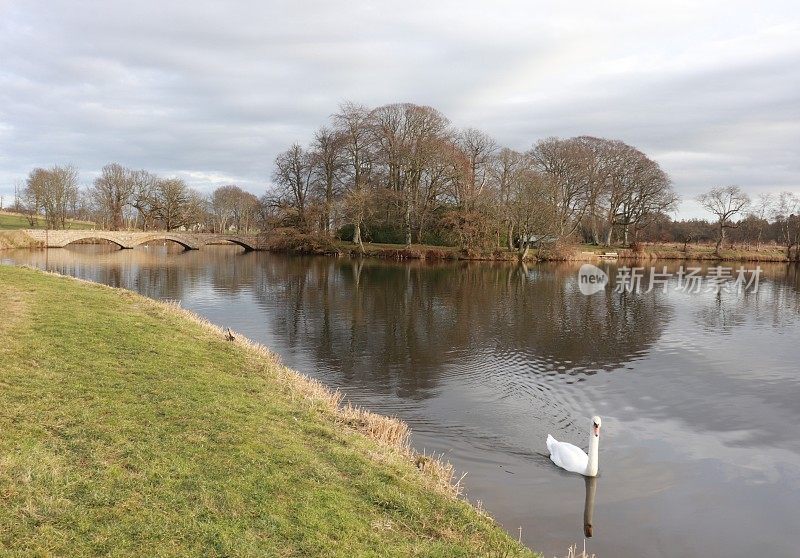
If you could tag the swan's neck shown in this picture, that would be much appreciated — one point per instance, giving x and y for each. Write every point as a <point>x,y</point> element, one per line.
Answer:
<point>594,444</point>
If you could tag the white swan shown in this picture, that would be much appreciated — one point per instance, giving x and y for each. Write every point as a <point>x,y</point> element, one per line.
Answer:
<point>574,459</point>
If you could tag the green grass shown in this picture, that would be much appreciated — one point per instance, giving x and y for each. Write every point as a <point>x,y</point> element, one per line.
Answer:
<point>129,429</point>
<point>15,221</point>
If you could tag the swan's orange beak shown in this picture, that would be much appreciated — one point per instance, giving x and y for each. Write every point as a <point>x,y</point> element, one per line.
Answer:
<point>596,430</point>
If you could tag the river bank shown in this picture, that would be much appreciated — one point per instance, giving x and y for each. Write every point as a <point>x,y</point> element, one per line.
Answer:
<point>291,241</point>
<point>309,245</point>
<point>134,428</point>
<point>14,239</point>
<point>575,253</point>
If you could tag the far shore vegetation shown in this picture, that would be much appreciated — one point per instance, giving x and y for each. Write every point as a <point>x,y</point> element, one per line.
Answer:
<point>173,440</point>
<point>292,242</point>
<point>402,174</point>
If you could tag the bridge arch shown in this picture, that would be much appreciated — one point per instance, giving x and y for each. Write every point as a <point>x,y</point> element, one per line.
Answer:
<point>248,245</point>
<point>94,235</point>
<point>178,239</point>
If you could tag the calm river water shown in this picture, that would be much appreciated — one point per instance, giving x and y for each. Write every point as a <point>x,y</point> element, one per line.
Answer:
<point>699,392</point>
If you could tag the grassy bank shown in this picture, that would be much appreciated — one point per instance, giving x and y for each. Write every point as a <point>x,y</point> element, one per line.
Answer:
<point>129,428</point>
<point>16,221</point>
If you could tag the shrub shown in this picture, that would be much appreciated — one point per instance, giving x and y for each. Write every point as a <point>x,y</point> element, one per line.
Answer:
<point>346,233</point>
<point>437,254</point>
<point>382,233</point>
<point>292,240</point>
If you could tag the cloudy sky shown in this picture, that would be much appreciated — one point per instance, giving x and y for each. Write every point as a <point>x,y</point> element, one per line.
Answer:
<point>211,91</point>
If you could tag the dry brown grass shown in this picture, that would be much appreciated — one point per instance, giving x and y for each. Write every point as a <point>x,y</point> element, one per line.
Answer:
<point>664,251</point>
<point>561,252</point>
<point>17,239</point>
<point>673,251</point>
<point>573,552</point>
<point>437,254</point>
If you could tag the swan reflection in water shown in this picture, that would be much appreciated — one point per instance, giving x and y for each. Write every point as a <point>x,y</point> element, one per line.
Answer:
<point>588,505</point>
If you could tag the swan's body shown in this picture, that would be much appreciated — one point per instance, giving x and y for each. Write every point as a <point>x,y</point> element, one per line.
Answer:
<point>568,456</point>
<point>574,459</point>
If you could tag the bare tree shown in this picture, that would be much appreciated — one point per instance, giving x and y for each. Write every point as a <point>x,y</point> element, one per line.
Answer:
<point>195,215</point>
<point>33,194</point>
<point>353,124</point>
<point>531,207</point>
<point>600,160</point>
<point>293,178</point>
<point>53,192</point>
<point>223,206</point>
<point>143,198</point>
<point>435,179</point>
<point>761,212</point>
<point>725,202</point>
<point>408,138</point>
<point>357,206</point>
<point>80,206</point>
<point>478,150</point>
<point>642,192</point>
<point>245,211</point>
<point>786,214</point>
<point>563,162</point>
<point>508,168</point>
<point>171,201</point>
<point>327,160</point>
<point>689,231</point>
<point>19,187</point>
<point>113,190</point>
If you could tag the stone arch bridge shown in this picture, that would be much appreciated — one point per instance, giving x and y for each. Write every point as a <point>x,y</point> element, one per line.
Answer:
<point>126,239</point>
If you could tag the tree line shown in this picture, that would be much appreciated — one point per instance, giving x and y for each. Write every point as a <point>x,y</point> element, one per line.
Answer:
<point>402,173</point>
<point>770,218</point>
<point>122,198</point>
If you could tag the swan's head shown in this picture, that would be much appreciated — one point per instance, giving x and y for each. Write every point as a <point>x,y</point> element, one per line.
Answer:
<point>596,424</point>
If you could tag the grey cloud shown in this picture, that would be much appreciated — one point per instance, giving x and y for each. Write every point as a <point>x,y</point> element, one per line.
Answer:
<point>212,91</point>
